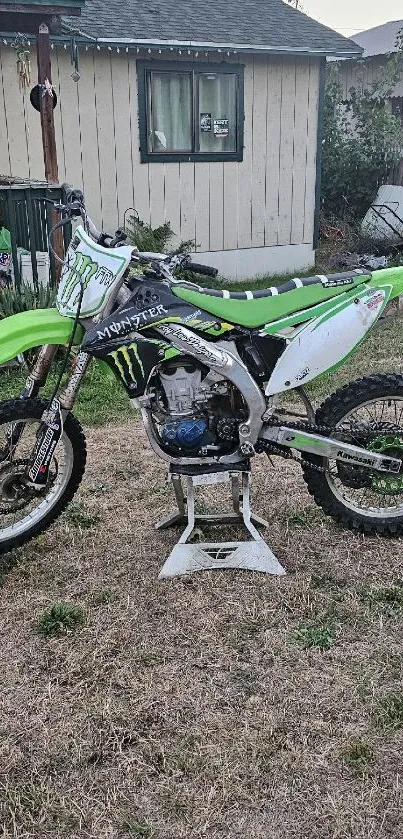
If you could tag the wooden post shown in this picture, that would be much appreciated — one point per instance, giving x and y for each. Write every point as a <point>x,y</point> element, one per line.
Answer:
<point>46,105</point>
<point>48,129</point>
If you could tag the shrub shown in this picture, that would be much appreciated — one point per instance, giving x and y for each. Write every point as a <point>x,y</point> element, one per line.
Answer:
<point>59,619</point>
<point>358,754</point>
<point>78,516</point>
<point>147,238</point>
<point>23,298</point>
<point>390,713</point>
<point>318,634</point>
<point>363,141</point>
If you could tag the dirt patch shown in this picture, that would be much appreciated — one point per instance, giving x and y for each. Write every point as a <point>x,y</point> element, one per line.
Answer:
<point>201,706</point>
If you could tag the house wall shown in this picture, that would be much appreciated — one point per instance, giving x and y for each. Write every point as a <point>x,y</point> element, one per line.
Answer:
<point>363,73</point>
<point>247,218</point>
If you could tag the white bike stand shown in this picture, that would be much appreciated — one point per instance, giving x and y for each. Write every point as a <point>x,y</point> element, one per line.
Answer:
<point>185,558</point>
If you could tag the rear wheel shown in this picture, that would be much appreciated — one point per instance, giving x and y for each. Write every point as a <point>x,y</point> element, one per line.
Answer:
<point>369,413</point>
<point>24,512</point>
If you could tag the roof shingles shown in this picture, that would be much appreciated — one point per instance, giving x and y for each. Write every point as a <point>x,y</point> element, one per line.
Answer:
<point>269,24</point>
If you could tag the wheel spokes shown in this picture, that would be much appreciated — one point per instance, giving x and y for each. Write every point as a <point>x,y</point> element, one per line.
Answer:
<point>385,494</point>
<point>20,503</point>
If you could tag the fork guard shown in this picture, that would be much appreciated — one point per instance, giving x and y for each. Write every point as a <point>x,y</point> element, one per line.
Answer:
<point>330,449</point>
<point>34,328</point>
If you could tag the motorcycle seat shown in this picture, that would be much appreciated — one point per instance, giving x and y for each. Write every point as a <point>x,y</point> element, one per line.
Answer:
<point>257,308</point>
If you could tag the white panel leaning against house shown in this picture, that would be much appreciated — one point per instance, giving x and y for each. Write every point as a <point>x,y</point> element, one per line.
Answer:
<point>245,263</point>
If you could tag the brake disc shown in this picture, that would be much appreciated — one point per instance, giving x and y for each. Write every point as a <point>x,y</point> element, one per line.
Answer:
<point>14,493</point>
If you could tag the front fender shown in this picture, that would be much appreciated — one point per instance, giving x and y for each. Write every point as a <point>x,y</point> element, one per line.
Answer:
<point>33,329</point>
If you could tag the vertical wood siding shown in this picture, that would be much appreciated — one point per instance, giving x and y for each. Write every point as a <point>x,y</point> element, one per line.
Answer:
<point>259,143</point>
<point>273,136</point>
<point>311,147</point>
<point>267,199</point>
<point>244,225</point>
<point>287,149</point>
<point>68,123</point>
<point>363,73</point>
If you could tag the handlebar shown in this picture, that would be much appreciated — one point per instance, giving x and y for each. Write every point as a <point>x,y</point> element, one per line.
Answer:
<point>150,256</point>
<point>94,232</point>
<point>74,206</point>
<point>202,269</point>
<point>179,260</point>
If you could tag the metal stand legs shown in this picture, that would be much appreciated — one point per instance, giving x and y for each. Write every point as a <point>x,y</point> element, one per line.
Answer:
<point>254,555</point>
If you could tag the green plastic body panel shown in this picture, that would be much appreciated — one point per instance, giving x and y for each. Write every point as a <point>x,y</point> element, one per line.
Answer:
<point>21,332</point>
<point>261,310</point>
<point>264,310</point>
<point>392,277</point>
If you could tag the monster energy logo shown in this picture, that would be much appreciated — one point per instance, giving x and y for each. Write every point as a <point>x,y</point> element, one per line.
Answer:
<point>80,274</point>
<point>124,358</point>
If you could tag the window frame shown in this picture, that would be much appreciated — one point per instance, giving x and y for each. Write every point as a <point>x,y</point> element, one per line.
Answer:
<point>144,68</point>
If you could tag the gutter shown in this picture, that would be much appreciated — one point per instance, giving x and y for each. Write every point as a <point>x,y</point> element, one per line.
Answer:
<point>155,43</point>
<point>81,37</point>
<point>225,46</point>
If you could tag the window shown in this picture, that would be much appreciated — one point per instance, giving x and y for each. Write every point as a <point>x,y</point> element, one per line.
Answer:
<point>190,111</point>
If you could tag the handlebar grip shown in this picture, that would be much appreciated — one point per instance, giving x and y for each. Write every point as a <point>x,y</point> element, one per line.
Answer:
<point>73,194</point>
<point>67,188</point>
<point>202,269</point>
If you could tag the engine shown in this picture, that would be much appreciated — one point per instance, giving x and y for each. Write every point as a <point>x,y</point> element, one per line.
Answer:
<point>196,410</point>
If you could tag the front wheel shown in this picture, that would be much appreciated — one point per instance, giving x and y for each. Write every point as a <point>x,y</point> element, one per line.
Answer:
<point>25,512</point>
<point>369,413</point>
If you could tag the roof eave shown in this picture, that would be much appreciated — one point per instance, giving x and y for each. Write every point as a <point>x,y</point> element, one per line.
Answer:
<point>209,45</point>
<point>365,57</point>
<point>384,54</point>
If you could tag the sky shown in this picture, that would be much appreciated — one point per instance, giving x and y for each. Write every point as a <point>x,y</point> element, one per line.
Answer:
<point>349,16</point>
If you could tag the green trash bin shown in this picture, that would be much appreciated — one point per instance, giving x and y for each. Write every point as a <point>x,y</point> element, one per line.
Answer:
<point>26,213</point>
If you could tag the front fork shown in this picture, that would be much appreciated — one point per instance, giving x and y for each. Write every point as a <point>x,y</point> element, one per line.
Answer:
<point>35,381</point>
<point>37,470</point>
<point>39,373</point>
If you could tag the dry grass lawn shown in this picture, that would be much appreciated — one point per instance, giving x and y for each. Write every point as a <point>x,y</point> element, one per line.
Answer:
<point>221,705</point>
<point>191,708</point>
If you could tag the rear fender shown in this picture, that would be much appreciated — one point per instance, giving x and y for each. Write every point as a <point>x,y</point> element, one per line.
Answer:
<point>388,279</point>
<point>25,330</point>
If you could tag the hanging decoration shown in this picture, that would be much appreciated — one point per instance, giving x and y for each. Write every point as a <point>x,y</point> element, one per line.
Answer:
<point>20,45</point>
<point>41,90</point>
<point>61,43</point>
<point>75,61</point>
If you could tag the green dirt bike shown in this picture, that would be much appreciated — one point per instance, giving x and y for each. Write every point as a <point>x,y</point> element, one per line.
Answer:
<point>207,369</point>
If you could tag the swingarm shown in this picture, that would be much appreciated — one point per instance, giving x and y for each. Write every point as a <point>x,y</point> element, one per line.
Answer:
<point>330,449</point>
